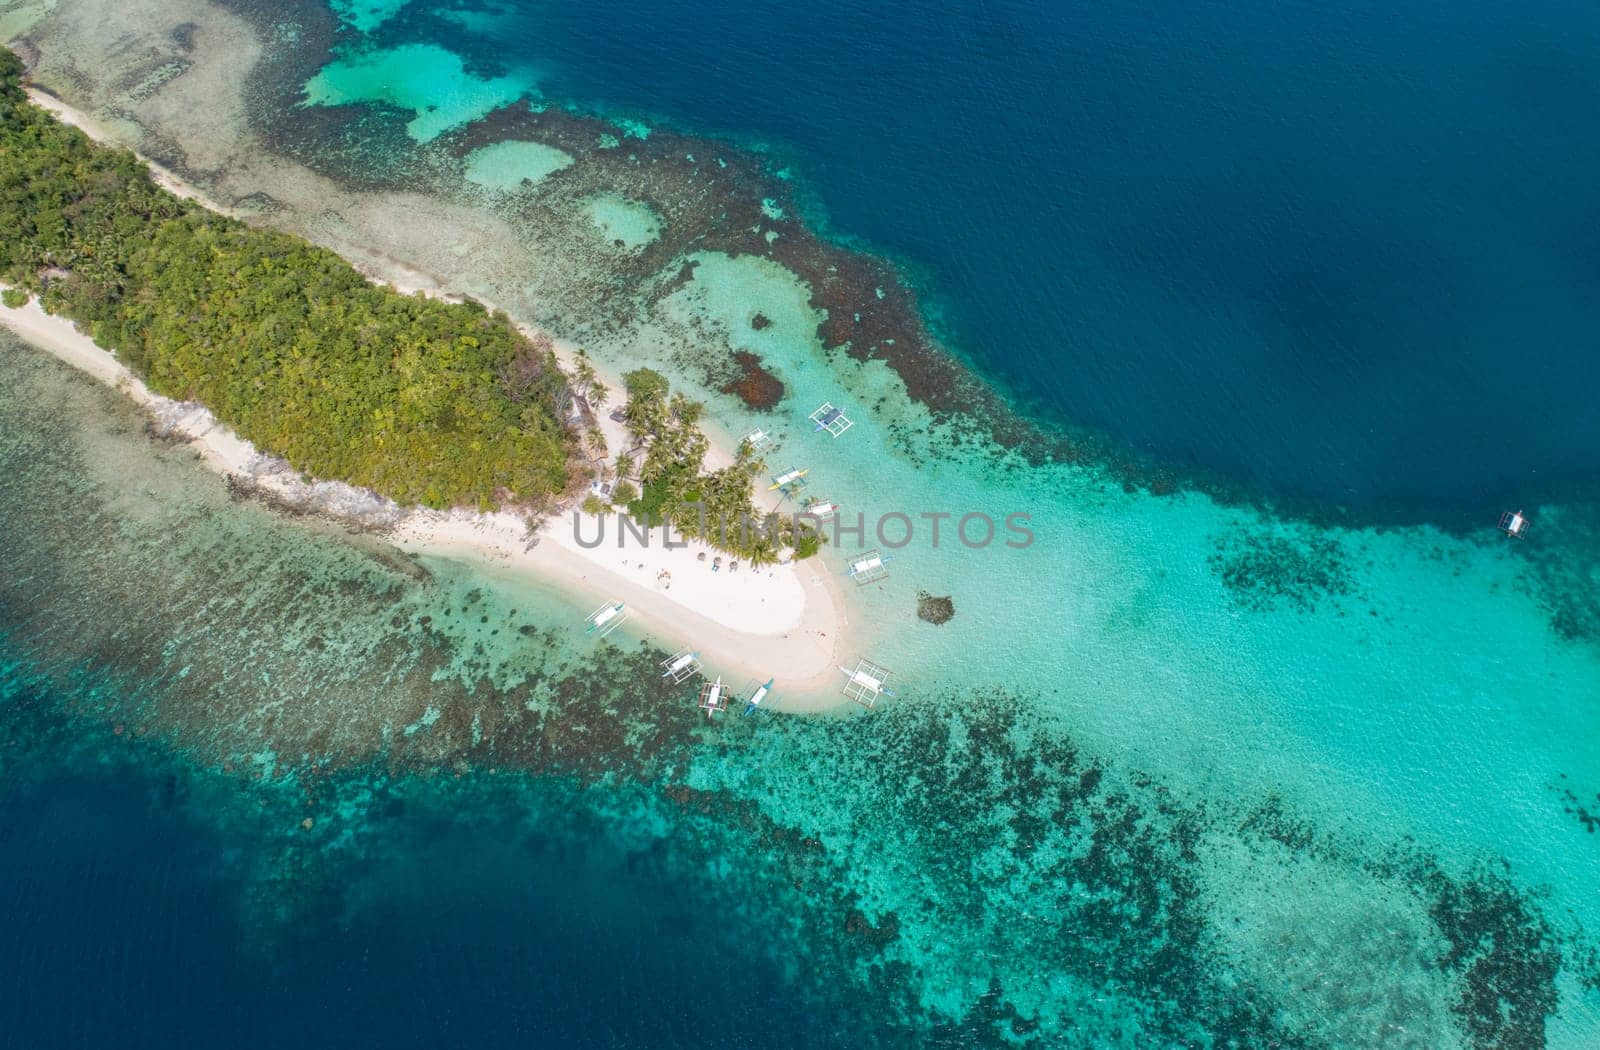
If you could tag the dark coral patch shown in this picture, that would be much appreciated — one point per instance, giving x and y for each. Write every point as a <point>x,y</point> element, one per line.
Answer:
<point>1265,571</point>
<point>935,609</point>
<point>1562,566</point>
<point>1505,954</point>
<point>754,385</point>
<point>1586,813</point>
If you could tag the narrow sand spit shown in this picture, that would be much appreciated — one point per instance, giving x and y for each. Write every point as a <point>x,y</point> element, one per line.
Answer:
<point>781,621</point>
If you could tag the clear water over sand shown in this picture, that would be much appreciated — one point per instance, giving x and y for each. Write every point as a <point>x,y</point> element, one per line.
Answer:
<point>1174,771</point>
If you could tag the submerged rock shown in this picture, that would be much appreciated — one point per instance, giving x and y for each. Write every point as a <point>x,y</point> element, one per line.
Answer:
<point>755,385</point>
<point>934,609</point>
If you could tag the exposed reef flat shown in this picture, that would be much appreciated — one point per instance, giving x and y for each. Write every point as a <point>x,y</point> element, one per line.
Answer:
<point>340,684</point>
<point>708,197</point>
<point>1133,793</point>
<point>788,617</point>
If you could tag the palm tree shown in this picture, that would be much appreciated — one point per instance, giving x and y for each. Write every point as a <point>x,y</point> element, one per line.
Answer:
<point>644,418</point>
<point>760,551</point>
<point>748,458</point>
<point>685,411</point>
<point>583,371</point>
<point>692,449</point>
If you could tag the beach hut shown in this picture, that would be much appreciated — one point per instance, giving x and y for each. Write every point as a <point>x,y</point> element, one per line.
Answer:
<point>681,666</point>
<point>1514,523</point>
<point>869,567</point>
<point>833,420</point>
<point>864,682</point>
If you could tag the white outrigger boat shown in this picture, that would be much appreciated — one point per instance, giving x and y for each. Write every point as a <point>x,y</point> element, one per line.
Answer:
<point>864,682</point>
<point>869,567</point>
<point>606,619</point>
<point>821,509</point>
<point>755,698</point>
<point>794,478</point>
<point>713,697</point>
<point>681,666</point>
<point>831,419</point>
<point>1514,524</point>
<point>758,440</point>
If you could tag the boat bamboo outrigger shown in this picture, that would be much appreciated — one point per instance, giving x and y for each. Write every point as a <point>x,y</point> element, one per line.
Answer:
<point>713,697</point>
<point>790,481</point>
<point>761,692</point>
<point>864,683</point>
<point>831,419</point>
<point>821,509</point>
<point>681,666</point>
<point>869,567</point>
<point>606,619</point>
<point>1514,523</point>
<point>758,440</point>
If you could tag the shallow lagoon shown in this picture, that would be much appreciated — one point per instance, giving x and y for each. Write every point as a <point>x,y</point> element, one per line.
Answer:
<point>1164,773</point>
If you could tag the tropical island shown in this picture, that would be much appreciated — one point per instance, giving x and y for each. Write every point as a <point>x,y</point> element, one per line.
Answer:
<point>468,423</point>
<point>1182,772</point>
<point>419,400</point>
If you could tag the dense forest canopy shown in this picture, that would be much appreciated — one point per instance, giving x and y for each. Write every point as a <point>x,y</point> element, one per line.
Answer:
<point>421,400</point>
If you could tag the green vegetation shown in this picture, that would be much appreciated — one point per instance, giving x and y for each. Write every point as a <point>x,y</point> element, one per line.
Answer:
<point>715,507</point>
<point>807,543</point>
<point>421,400</point>
<point>646,385</point>
<point>14,298</point>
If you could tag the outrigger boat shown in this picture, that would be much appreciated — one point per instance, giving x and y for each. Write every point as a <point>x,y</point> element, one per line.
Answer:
<point>869,568</point>
<point>821,509</point>
<point>758,440</point>
<point>831,419</point>
<point>713,697</point>
<point>759,695</point>
<point>791,479</point>
<point>680,666</point>
<point>606,619</point>
<point>1514,523</point>
<point>864,682</point>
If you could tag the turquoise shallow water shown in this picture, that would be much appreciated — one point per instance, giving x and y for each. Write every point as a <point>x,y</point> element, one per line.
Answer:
<point>1391,685</point>
<point>1177,773</point>
<point>274,766</point>
<point>430,81</point>
<point>507,166</point>
<point>1332,250</point>
<point>1234,803</point>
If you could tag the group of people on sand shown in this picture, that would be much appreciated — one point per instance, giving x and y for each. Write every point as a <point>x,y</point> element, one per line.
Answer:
<point>664,577</point>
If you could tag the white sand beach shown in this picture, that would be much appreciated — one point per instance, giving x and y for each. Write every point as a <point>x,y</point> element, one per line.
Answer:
<point>785,621</point>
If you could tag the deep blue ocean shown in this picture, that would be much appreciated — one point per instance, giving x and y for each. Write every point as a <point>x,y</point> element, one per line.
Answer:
<point>1347,251</point>
<point>144,909</point>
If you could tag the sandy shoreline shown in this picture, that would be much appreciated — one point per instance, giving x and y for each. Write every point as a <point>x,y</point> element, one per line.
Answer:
<point>785,622</point>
